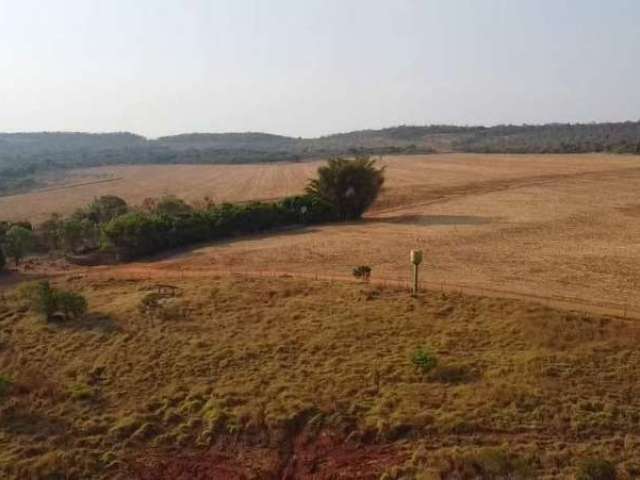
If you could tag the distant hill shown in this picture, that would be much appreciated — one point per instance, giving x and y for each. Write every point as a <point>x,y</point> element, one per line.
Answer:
<point>24,154</point>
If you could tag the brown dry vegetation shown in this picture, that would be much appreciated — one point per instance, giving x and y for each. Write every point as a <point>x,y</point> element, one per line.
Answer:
<point>288,378</point>
<point>555,228</point>
<point>249,377</point>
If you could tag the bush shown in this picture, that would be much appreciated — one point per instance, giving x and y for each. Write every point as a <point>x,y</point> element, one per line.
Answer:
<point>48,301</point>
<point>138,233</point>
<point>3,260</point>
<point>596,469</point>
<point>424,360</point>
<point>172,206</point>
<point>106,208</point>
<point>362,272</point>
<point>39,296</point>
<point>72,305</point>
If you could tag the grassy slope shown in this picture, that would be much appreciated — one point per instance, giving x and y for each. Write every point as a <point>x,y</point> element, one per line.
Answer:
<point>256,356</point>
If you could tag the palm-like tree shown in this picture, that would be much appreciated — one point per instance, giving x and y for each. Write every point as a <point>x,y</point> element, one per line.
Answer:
<point>351,186</point>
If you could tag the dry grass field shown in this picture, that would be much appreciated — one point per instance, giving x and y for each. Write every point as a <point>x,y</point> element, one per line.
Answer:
<point>561,229</point>
<point>221,183</point>
<point>268,364</point>
<point>241,378</point>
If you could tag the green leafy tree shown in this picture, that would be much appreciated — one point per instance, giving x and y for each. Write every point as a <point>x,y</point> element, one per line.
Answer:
<point>135,234</point>
<point>71,233</point>
<point>351,186</point>
<point>18,243</point>
<point>49,232</point>
<point>77,232</point>
<point>106,208</point>
<point>172,206</point>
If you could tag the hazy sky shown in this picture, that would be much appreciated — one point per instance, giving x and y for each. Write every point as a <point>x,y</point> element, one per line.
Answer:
<point>310,67</point>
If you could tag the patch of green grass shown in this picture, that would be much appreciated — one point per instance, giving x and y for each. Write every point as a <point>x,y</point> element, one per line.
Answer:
<point>80,391</point>
<point>424,360</point>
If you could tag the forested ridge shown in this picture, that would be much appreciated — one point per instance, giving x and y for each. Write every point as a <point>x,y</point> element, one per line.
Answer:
<point>23,155</point>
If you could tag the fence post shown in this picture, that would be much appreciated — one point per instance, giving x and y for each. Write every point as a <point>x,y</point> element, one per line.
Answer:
<point>416,259</point>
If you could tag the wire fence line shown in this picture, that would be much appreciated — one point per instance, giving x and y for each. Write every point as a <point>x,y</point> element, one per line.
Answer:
<point>624,310</point>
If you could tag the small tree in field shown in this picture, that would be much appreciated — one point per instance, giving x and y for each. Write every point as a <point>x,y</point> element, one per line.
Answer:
<point>18,242</point>
<point>362,272</point>
<point>42,298</point>
<point>351,186</point>
<point>70,304</point>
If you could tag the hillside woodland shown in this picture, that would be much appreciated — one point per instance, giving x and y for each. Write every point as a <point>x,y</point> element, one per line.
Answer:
<point>24,156</point>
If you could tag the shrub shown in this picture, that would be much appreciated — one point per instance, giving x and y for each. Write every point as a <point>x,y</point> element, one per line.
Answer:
<point>3,260</point>
<point>308,209</point>
<point>596,469</point>
<point>172,206</point>
<point>351,186</point>
<point>424,360</point>
<point>72,305</point>
<point>48,301</point>
<point>39,296</point>
<point>18,242</point>
<point>106,208</point>
<point>362,272</point>
<point>81,391</point>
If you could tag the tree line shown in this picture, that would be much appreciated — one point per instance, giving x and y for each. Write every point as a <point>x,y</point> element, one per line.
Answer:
<point>23,156</point>
<point>343,190</point>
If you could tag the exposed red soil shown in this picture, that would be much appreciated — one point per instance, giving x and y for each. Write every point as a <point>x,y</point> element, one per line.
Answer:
<point>326,456</point>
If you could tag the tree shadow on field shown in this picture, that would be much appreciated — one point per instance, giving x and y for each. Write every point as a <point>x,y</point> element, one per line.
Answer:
<point>93,321</point>
<point>194,250</point>
<point>433,220</point>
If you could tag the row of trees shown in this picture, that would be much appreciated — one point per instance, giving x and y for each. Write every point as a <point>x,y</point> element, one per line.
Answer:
<point>554,138</point>
<point>343,190</point>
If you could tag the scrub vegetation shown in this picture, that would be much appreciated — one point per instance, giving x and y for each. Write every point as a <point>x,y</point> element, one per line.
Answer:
<point>245,375</point>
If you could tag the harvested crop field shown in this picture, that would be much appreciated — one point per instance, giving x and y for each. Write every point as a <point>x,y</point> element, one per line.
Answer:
<point>560,229</point>
<point>240,378</point>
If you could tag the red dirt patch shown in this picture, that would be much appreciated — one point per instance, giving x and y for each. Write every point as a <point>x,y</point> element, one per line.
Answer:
<point>324,457</point>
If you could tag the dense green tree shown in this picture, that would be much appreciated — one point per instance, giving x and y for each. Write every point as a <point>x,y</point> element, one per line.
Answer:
<point>172,206</point>
<point>49,232</point>
<point>18,243</point>
<point>351,186</point>
<point>105,208</point>
<point>77,233</point>
<point>134,233</point>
